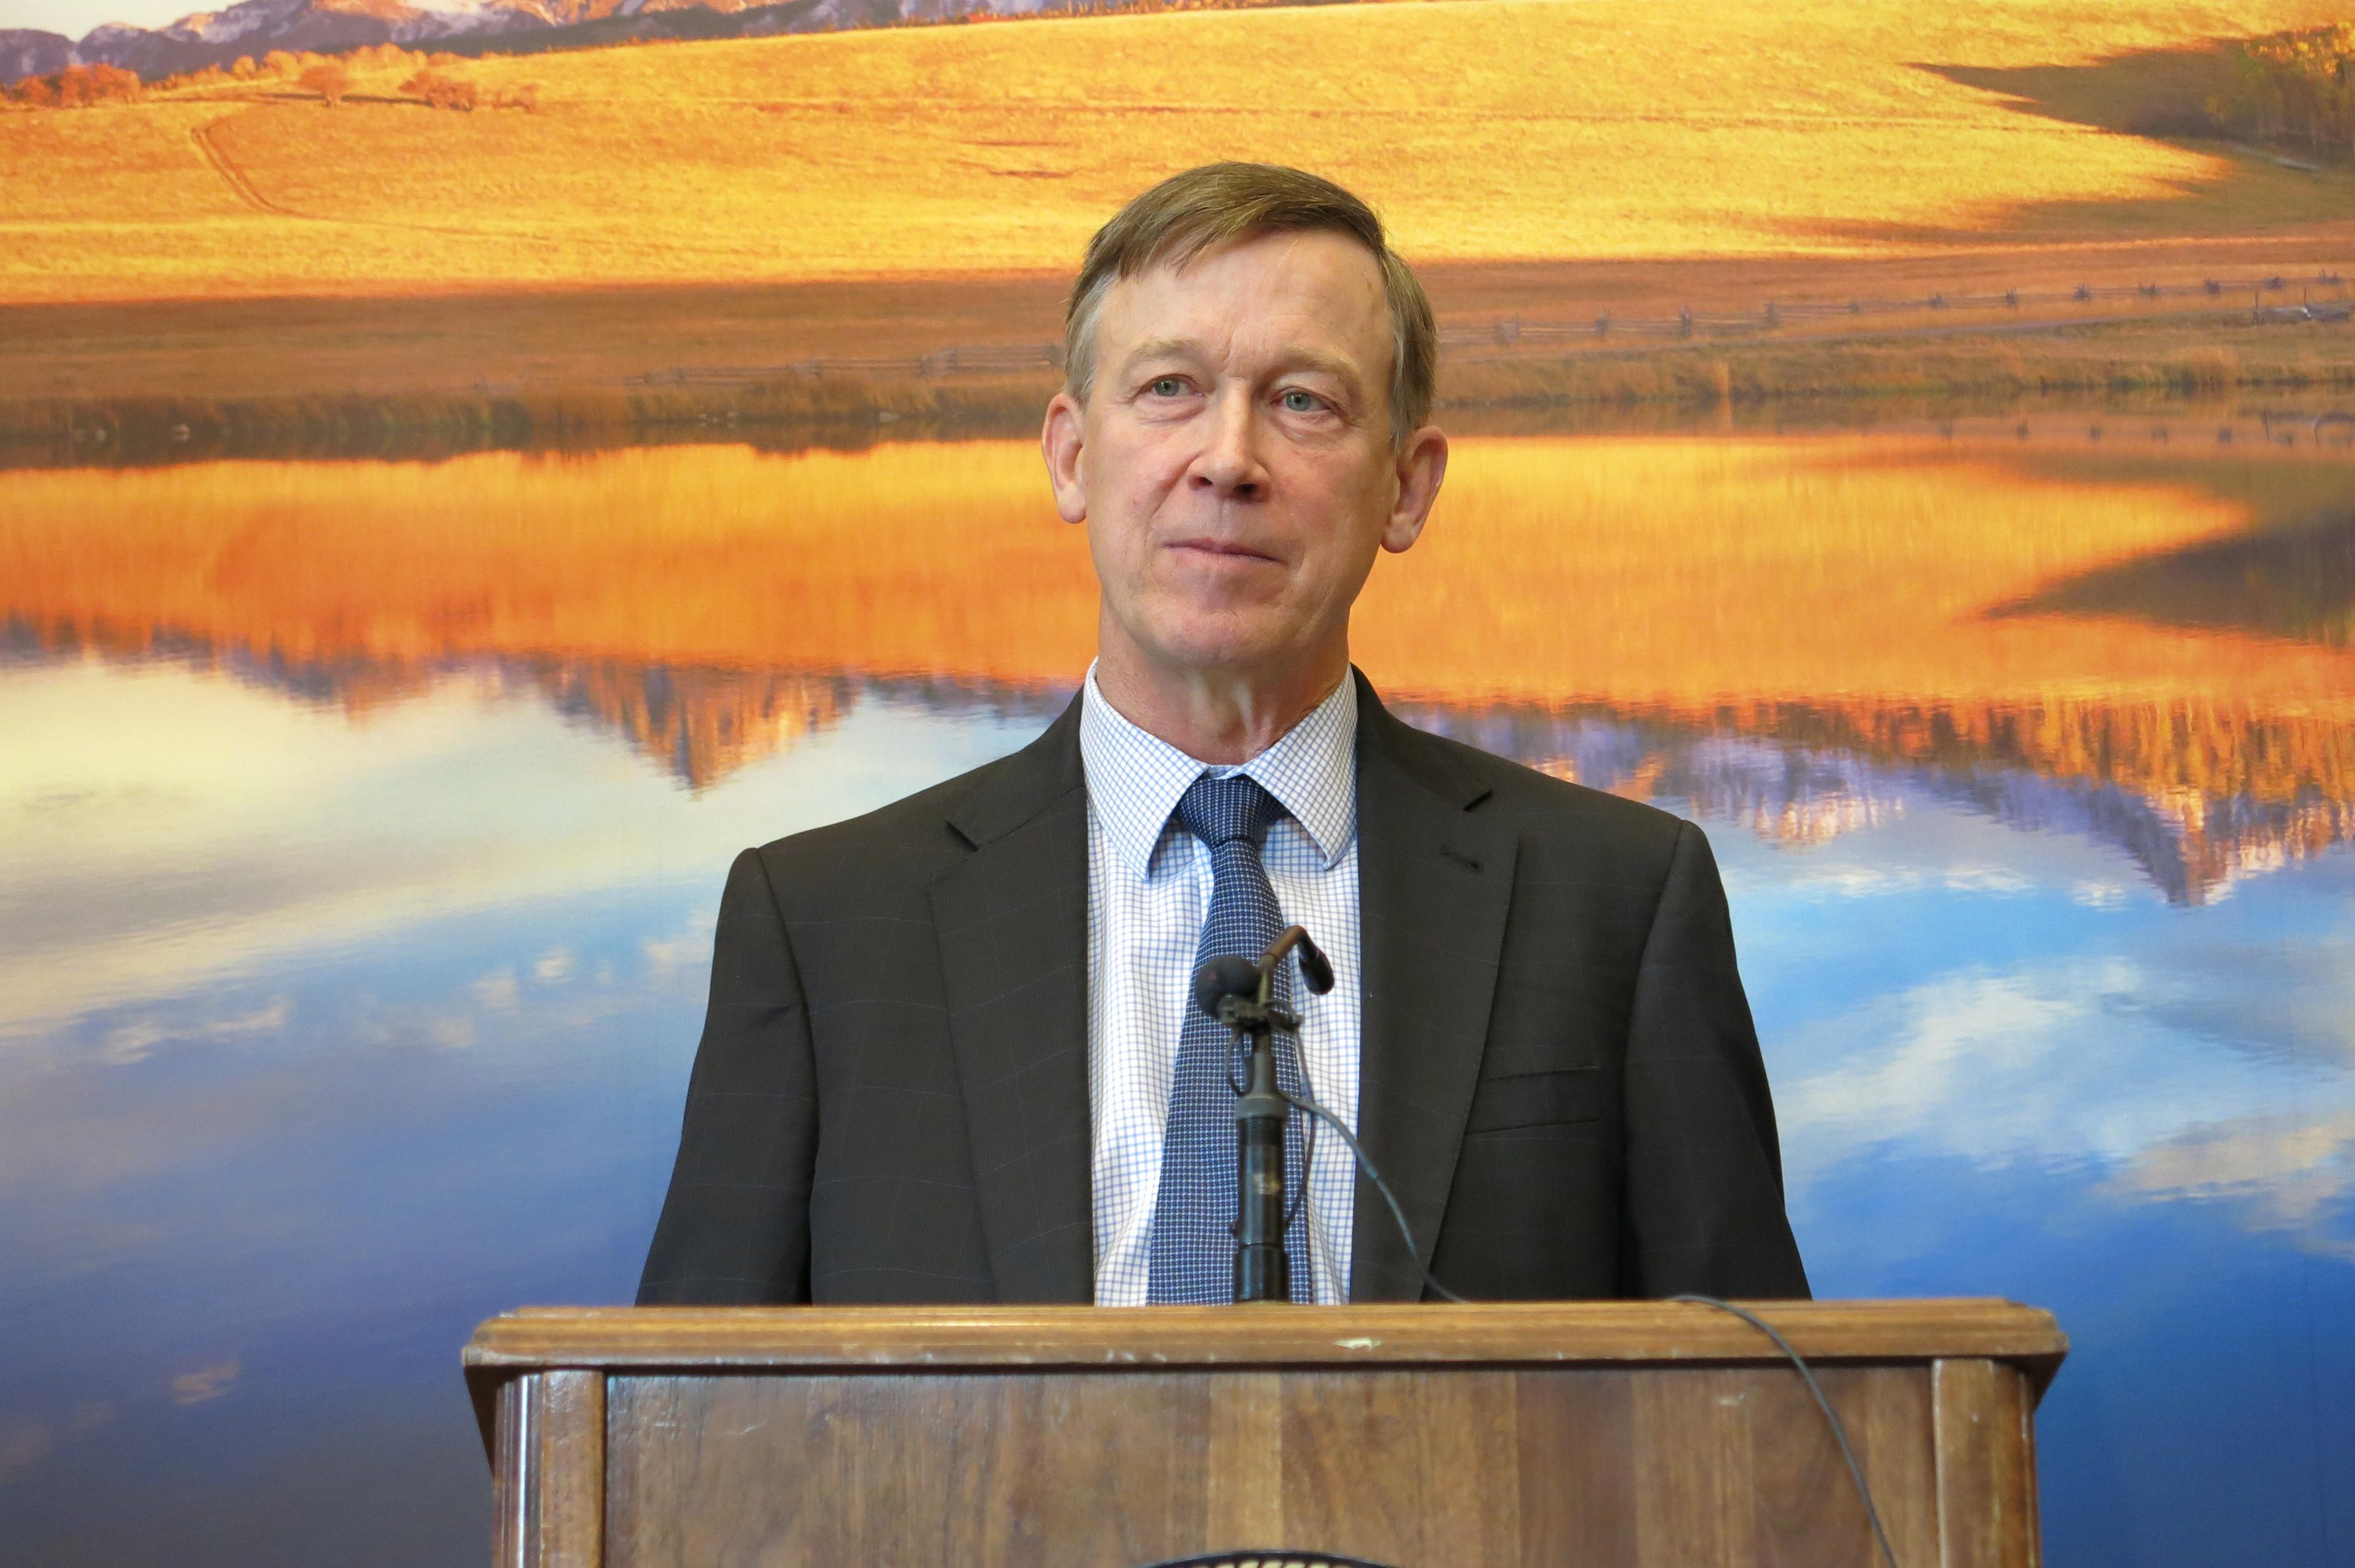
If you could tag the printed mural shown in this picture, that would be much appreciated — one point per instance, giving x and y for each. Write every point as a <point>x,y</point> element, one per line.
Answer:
<point>469,470</point>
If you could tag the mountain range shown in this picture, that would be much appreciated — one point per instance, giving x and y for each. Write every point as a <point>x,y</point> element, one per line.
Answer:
<point>255,28</point>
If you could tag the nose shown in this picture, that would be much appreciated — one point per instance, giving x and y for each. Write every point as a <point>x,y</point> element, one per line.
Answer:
<point>1229,465</point>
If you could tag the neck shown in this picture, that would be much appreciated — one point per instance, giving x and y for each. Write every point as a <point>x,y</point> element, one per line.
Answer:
<point>1219,716</point>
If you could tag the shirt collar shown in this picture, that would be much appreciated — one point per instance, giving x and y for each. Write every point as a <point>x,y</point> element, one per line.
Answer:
<point>1134,779</point>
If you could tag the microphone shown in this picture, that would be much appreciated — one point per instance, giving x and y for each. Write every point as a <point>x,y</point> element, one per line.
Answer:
<point>1236,991</point>
<point>1315,967</point>
<point>1229,975</point>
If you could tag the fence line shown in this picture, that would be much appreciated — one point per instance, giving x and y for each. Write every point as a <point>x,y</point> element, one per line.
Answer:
<point>1511,331</point>
<point>945,361</point>
<point>1690,323</point>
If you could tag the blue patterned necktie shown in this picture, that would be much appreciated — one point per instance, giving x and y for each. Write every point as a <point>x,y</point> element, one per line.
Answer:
<point>1192,1254</point>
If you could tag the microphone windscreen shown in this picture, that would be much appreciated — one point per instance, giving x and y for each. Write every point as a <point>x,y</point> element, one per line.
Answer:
<point>1225,976</point>
<point>1314,966</point>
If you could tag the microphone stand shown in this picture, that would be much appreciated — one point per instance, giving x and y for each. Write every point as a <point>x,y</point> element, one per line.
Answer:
<point>1244,993</point>
<point>1263,1272</point>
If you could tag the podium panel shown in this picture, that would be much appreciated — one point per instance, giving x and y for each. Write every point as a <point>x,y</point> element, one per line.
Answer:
<point>1642,1435</point>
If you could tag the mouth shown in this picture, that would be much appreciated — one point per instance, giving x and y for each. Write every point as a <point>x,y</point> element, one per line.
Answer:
<point>1221,550</point>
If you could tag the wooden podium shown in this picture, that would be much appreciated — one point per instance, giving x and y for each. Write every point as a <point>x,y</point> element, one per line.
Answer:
<point>1605,1435</point>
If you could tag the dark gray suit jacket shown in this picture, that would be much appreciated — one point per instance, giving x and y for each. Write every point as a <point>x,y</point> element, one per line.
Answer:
<point>1559,1075</point>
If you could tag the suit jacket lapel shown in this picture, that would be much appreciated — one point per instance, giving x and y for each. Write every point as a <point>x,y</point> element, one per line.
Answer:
<point>1435,880</point>
<point>1012,925</point>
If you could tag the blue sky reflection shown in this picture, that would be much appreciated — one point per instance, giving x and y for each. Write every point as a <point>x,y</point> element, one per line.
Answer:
<point>322,1038</point>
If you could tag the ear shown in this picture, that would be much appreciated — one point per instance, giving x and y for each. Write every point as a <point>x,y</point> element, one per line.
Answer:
<point>1059,442</point>
<point>1421,465</point>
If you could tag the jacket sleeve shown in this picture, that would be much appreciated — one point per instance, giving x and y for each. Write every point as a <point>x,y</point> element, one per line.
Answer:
<point>1704,1190</point>
<point>735,1227</point>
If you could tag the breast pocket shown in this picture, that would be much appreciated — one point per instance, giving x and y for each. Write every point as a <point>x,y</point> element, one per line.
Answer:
<point>1537,1100</point>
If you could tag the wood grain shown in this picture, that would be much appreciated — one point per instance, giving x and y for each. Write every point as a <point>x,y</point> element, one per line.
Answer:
<point>1806,1501</point>
<point>1986,1479</point>
<point>947,1337</point>
<point>1639,1436</point>
<point>1888,1412</point>
<point>1570,1512</point>
<point>1467,1467</point>
<point>513,1466</point>
<point>972,1469</point>
<point>1690,1498</point>
<point>1246,1459</point>
<point>2031,1518</point>
<point>568,1461</point>
<point>1402,1467</point>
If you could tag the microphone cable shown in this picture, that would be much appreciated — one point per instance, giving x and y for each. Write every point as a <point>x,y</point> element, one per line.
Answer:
<point>1807,1374</point>
<point>1208,984</point>
<point>1329,1119</point>
<point>1839,1428</point>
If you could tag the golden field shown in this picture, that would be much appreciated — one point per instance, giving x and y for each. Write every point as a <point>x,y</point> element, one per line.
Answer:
<point>1657,573</point>
<point>1489,132</point>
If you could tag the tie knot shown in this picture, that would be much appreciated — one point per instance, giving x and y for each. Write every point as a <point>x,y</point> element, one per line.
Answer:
<point>1219,811</point>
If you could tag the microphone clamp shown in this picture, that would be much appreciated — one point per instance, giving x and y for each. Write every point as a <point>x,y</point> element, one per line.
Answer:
<point>1252,1016</point>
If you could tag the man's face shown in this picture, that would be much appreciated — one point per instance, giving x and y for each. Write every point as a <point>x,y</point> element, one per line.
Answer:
<point>1233,462</point>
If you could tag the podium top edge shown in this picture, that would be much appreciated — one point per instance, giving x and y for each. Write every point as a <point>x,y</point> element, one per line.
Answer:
<point>1085,1339</point>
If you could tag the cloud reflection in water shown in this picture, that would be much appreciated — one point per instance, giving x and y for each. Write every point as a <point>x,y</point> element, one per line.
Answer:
<point>348,989</point>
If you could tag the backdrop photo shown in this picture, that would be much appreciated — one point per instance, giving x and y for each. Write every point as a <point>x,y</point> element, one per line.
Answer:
<point>468,470</point>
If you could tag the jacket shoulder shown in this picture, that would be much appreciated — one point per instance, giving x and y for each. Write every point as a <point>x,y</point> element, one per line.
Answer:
<point>917,835</point>
<point>915,821</point>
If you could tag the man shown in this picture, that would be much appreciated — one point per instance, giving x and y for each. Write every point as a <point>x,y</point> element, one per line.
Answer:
<point>951,1054</point>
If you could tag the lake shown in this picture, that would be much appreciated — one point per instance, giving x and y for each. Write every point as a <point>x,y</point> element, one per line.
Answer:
<point>366,823</point>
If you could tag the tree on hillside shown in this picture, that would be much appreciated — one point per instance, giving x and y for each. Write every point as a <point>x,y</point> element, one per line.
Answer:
<point>78,85</point>
<point>2292,86</point>
<point>245,70</point>
<point>281,64</point>
<point>329,80</point>
<point>440,90</point>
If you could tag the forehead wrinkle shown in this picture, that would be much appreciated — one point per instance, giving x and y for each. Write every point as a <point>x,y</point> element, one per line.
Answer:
<point>1166,348</point>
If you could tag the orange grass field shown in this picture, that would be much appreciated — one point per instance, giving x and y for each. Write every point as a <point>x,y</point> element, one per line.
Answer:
<point>1487,130</point>
<point>1538,581</point>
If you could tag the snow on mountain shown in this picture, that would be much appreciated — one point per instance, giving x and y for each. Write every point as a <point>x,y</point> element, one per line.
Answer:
<point>237,22</point>
<point>255,28</point>
<point>107,36</point>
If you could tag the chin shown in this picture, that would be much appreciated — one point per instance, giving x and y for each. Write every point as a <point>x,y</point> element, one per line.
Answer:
<point>1223,642</point>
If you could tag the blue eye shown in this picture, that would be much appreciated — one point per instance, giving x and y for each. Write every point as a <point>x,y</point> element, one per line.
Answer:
<point>1301,403</point>
<point>1168,387</point>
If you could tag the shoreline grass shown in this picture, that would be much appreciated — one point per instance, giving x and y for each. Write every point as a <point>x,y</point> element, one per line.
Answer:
<point>2134,366</point>
<point>2159,358</point>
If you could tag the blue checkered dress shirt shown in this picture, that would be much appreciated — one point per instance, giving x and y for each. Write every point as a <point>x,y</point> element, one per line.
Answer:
<point>1148,893</point>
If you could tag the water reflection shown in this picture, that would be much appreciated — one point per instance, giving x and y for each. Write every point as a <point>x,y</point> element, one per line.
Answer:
<point>2296,582</point>
<point>2198,796</point>
<point>365,822</point>
<point>2148,649</point>
<point>1660,570</point>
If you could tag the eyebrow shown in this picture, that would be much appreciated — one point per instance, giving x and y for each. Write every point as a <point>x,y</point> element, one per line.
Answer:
<point>1295,358</point>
